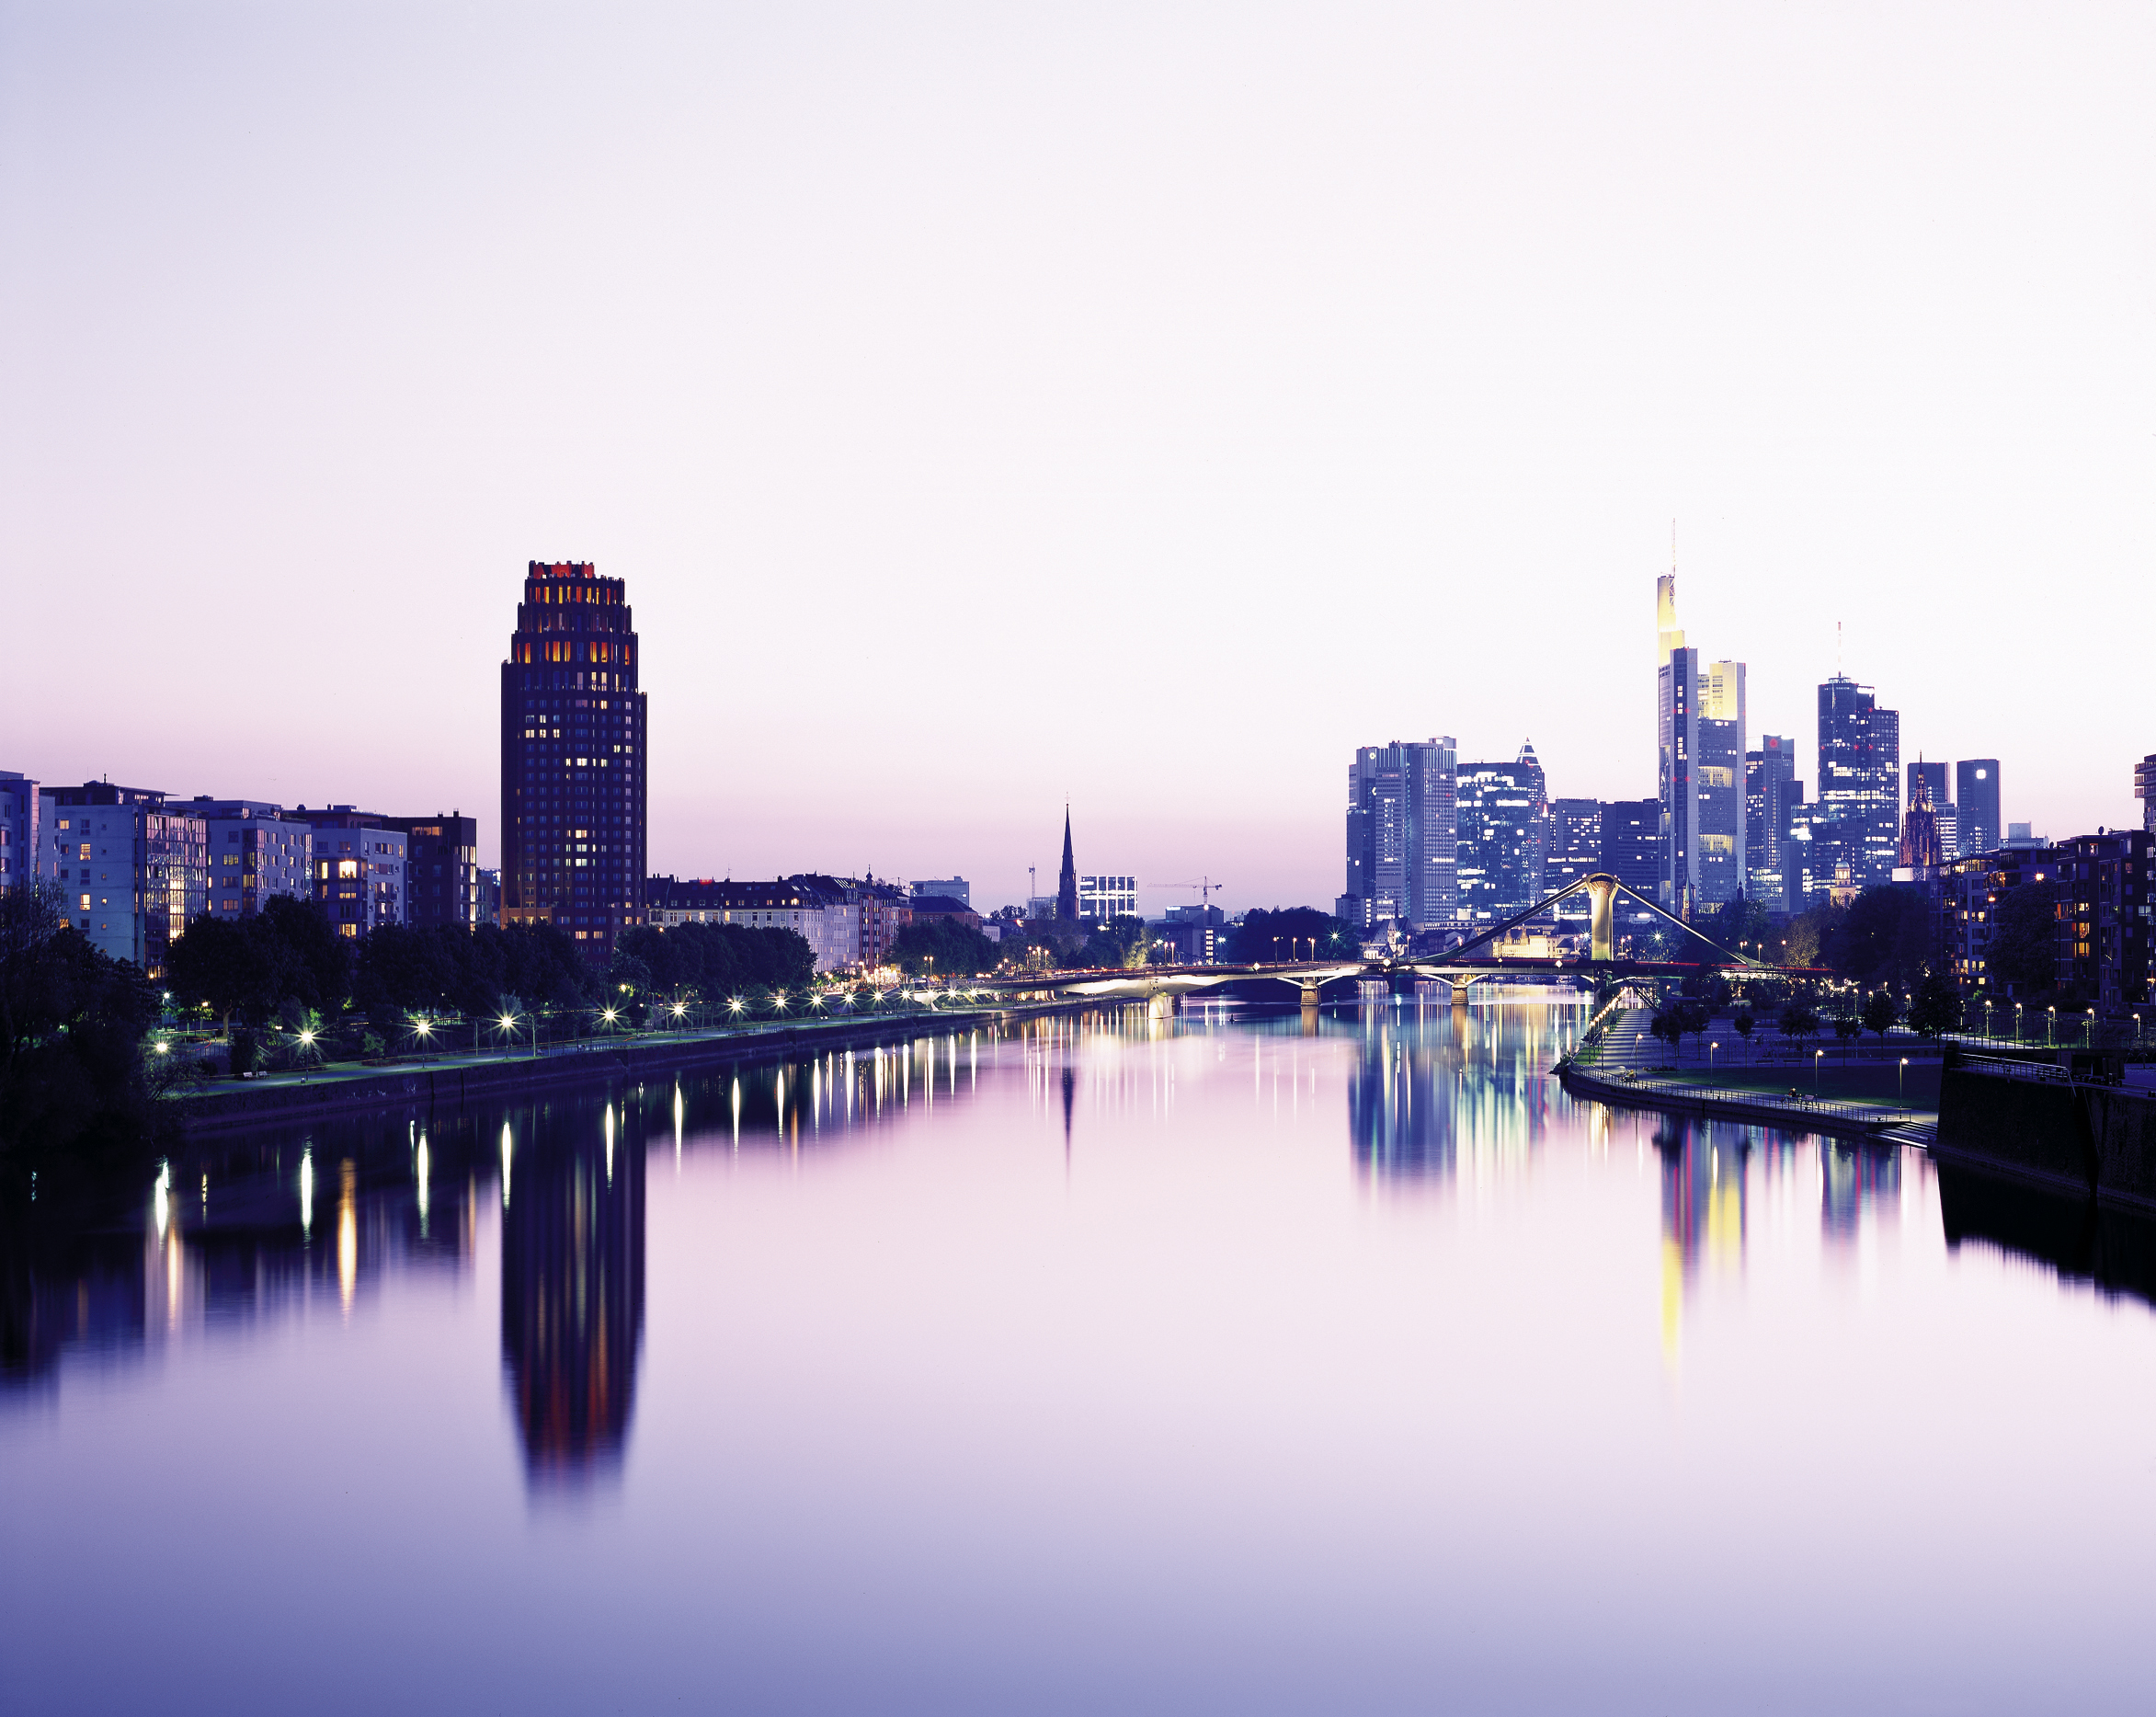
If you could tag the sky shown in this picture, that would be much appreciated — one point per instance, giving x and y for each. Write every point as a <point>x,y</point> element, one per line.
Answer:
<point>996,406</point>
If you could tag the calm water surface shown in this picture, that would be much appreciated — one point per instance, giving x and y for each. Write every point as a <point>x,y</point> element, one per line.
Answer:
<point>1105,1367</point>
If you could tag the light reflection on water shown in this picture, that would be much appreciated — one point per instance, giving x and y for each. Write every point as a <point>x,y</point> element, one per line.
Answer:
<point>1204,1362</point>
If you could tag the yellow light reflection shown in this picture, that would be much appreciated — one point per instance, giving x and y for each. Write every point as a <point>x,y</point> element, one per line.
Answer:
<point>307,1193</point>
<point>419,1167</point>
<point>348,1233</point>
<point>508,1147</point>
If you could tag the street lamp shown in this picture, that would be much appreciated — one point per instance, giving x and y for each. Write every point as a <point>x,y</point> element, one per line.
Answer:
<point>2051,1026</point>
<point>1710,1057</point>
<point>2017,1022</point>
<point>1817,1057</point>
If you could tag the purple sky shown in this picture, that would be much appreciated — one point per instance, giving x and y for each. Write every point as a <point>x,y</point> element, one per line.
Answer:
<point>988,405</point>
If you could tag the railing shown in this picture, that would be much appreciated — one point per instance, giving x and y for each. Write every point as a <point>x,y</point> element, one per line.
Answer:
<point>1777,1104</point>
<point>2042,1072</point>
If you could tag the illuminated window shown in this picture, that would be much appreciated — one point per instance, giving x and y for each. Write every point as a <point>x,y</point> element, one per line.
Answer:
<point>85,905</point>
<point>346,867</point>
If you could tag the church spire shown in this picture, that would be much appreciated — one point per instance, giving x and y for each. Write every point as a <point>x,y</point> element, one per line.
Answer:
<point>1066,882</point>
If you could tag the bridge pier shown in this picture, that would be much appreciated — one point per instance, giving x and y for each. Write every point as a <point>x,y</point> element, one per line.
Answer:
<point>1163,1005</point>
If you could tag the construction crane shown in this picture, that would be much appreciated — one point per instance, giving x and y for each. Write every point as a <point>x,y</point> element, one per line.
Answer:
<point>1205,886</point>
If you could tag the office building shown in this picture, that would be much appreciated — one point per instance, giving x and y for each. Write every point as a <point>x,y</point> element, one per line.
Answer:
<point>1719,781</point>
<point>133,871</point>
<point>1195,935</point>
<point>1700,767</point>
<point>361,868</point>
<point>573,759</point>
<point>1976,803</point>
<point>950,888</point>
<point>1502,840</point>
<point>1401,836</point>
<point>257,851</point>
<point>1575,852</point>
<point>1771,790</point>
<point>18,827</point>
<point>1101,899</point>
<point>2145,791</point>
<point>1632,844</point>
<point>490,896</point>
<point>442,869</point>
<point>1859,778</point>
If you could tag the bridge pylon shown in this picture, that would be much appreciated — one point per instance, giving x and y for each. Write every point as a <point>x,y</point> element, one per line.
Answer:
<point>1602,894</point>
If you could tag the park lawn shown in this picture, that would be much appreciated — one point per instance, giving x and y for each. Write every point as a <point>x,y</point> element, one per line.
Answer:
<point>1859,1082</point>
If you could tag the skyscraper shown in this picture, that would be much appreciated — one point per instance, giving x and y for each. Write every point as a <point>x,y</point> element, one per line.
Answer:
<point>1503,837</point>
<point>1720,775</point>
<point>1860,770</point>
<point>1066,889</point>
<point>573,758</point>
<point>1771,788</point>
<point>1574,851</point>
<point>1975,799</point>
<point>1401,835</point>
<point>1700,726</point>
<point>2145,791</point>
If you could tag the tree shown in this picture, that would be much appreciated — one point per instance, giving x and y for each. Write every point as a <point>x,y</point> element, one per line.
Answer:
<point>232,966</point>
<point>1880,1012</point>
<point>1666,1025</point>
<point>1936,1007</point>
<point>323,975</point>
<point>1744,1025</point>
<point>1886,936</point>
<point>2024,934</point>
<point>1694,1016</point>
<point>1848,1028</point>
<point>1796,1020</point>
<point>71,1024</point>
<point>945,945</point>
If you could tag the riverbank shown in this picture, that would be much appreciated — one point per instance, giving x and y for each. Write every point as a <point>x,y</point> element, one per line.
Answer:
<point>2037,1126</point>
<point>451,1079</point>
<point>1731,1101</point>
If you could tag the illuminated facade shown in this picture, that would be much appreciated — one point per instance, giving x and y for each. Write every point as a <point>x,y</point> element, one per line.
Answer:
<point>1770,792</point>
<point>1860,772</point>
<point>573,759</point>
<point>1976,801</point>
<point>1700,768</point>
<point>1502,841</point>
<point>255,852</point>
<point>133,872</point>
<point>1402,836</point>
<point>360,868</point>
<point>1101,899</point>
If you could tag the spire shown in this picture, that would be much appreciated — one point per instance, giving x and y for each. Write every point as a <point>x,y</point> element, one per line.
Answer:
<point>1066,904</point>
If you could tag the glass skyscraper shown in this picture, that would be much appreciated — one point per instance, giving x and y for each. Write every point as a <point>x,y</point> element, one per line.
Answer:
<point>1400,836</point>
<point>1975,805</point>
<point>1503,822</point>
<point>1700,726</point>
<point>573,758</point>
<point>1860,777</point>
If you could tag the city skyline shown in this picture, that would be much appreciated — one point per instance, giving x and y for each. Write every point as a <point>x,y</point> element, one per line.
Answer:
<point>858,405</point>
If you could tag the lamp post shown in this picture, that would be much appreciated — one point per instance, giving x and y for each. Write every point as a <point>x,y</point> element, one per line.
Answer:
<point>1817,1057</point>
<point>2089,1031</point>
<point>1710,1058</point>
<point>2051,1027</point>
<point>2017,1022</point>
<point>1900,1074</point>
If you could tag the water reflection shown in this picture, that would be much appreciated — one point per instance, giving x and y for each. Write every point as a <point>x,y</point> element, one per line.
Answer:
<point>1431,1082</point>
<point>572,1252</point>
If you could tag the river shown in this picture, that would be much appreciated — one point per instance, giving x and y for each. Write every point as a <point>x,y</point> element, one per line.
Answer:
<point>1100,1365</point>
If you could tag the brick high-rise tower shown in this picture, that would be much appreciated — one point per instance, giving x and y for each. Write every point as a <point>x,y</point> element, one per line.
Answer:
<point>572,759</point>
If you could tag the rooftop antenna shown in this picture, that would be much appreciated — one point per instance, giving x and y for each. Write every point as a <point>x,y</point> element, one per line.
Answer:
<point>1837,649</point>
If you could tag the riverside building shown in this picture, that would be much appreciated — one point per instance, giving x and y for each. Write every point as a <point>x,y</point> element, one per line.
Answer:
<point>133,870</point>
<point>573,759</point>
<point>18,827</point>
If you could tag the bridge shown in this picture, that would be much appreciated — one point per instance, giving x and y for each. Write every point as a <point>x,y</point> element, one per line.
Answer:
<point>1456,966</point>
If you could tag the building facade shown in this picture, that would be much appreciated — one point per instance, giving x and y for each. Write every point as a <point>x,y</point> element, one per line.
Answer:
<point>1976,803</point>
<point>1402,836</point>
<point>574,738</point>
<point>2145,791</point>
<point>1575,851</point>
<point>360,868</point>
<point>1503,837</point>
<point>1102,898</point>
<point>18,827</point>
<point>442,869</point>
<point>1771,791</point>
<point>133,872</point>
<point>948,888</point>
<point>255,852</point>
<point>1860,773</point>
<point>2105,901</point>
<point>1632,844</point>
<point>848,923</point>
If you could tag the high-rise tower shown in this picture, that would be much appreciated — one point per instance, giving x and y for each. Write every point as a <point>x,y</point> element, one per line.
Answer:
<point>1860,770</point>
<point>573,758</point>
